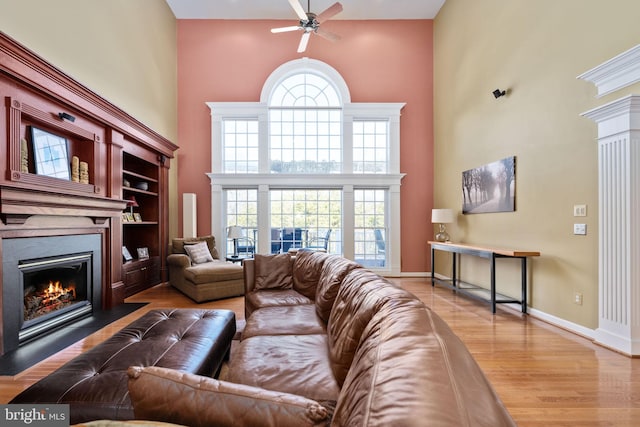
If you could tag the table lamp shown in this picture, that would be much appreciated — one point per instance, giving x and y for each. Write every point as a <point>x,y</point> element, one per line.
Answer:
<point>132,203</point>
<point>234,232</point>
<point>442,217</point>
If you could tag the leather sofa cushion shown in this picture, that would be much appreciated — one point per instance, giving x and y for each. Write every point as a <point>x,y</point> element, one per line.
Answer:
<point>362,294</point>
<point>334,269</point>
<point>410,367</point>
<point>193,400</point>
<point>177,244</point>
<point>215,271</point>
<point>284,320</point>
<point>274,297</point>
<point>296,364</point>
<point>307,267</point>
<point>273,271</point>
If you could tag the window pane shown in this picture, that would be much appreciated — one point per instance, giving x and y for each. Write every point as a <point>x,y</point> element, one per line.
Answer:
<point>304,218</point>
<point>240,146</point>
<point>305,90</point>
<point>370,146</point>
<point>305,144</point>
<point>242,210</point>
<point>370,232</point>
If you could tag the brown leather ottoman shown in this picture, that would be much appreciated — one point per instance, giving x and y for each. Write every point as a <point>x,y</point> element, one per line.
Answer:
<point>94,384</point>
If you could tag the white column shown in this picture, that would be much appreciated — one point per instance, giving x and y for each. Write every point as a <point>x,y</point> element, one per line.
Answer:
<point>619,223</point>
<point>189,215</point>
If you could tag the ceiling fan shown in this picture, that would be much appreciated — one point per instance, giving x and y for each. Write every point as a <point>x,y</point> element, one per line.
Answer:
<point>310,23</point>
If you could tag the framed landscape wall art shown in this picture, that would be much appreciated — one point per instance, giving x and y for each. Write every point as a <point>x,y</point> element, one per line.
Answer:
<point>490,188</point>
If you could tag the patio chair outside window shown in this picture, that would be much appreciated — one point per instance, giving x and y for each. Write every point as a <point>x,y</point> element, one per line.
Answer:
<point>379,241</point>
<point>320,243</point>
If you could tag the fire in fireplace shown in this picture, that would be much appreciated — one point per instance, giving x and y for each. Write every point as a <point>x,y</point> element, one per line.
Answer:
<point>48,298</point>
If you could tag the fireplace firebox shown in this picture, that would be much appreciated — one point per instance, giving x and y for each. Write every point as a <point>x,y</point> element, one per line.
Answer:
<point>48,282</point>
<point>54,291</point>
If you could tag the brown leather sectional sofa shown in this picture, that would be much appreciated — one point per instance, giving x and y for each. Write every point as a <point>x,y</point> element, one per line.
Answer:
<point>329,343</point>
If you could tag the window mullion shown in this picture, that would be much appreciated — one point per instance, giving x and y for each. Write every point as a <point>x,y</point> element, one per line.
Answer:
<point>263,145</point>
<point>347,144</point>
<point>348,222</point>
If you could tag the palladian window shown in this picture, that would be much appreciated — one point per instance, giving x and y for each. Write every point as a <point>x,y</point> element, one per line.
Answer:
<point>306,168</point>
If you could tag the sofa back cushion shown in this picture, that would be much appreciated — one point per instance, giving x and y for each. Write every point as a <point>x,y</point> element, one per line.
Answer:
<point>361,296</point>
<point>178,243</point>
<point>306,272</point>
<point>411,367</point>
<point>186,399</point>
<point>273,271</point>
<point>334,270</point>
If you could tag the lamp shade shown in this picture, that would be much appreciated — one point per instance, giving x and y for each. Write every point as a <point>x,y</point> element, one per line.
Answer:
<point>442,216</point>
<point>234,232</point>
<point>131,202</point>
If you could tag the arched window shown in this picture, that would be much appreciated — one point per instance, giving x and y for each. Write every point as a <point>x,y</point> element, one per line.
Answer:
<point>306,167</point>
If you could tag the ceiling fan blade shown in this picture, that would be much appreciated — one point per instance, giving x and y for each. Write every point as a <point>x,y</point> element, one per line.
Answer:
<point>285,29</point>
<point>327,34</point>
<point>329,12</point>
<point>298,9</point>
<point>303,42</point>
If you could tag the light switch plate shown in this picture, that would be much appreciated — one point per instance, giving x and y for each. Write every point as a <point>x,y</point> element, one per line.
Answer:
<point>579,210</point>
<point>580,229</point>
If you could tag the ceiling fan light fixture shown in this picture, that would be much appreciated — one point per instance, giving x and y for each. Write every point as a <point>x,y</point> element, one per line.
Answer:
<point>310,22</point>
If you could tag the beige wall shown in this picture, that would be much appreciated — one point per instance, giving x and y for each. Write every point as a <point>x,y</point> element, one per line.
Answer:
<point>536,49</point>
<point>123,50</point>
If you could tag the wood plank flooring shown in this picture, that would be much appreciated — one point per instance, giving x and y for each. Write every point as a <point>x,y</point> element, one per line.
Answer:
<point>546,376</point>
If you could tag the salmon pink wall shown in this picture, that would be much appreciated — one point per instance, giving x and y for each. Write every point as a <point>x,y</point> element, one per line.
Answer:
<point>381,61</point>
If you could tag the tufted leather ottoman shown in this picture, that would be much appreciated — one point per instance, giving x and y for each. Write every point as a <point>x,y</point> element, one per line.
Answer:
<point>94,384</point>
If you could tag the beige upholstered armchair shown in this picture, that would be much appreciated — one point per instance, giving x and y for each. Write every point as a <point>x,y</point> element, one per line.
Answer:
<point>196,270</point>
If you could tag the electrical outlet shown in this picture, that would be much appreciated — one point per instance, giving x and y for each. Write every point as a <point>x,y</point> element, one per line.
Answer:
<point>580,229</point>
<point>579,210</point>
<point>577,298</point>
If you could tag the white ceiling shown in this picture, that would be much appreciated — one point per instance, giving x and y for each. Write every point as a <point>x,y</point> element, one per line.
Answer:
<point>280,9</point>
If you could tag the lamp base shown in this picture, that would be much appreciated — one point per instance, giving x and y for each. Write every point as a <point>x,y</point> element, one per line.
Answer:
<point>442,235</point>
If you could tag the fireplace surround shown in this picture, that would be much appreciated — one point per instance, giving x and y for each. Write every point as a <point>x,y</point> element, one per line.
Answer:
<point>48,283</point>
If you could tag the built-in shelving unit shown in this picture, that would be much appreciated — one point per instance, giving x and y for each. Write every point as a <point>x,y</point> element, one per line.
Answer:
<point>116,149</point>
<point>140,182</point>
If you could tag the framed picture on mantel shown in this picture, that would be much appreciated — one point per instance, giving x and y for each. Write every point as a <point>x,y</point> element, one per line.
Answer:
<point>50,154</point>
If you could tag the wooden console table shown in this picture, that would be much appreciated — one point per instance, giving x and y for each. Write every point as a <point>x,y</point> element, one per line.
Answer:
<point>476,291</point>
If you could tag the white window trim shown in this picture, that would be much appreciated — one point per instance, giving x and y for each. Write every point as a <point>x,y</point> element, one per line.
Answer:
<point>347,181</point>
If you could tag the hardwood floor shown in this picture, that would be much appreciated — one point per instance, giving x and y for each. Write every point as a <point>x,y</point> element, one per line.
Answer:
<point>546,376</point>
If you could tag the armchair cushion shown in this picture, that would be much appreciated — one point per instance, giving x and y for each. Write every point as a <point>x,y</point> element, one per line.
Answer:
<point>178,397</point>
<point>198,252</point>
<point>215,271</point>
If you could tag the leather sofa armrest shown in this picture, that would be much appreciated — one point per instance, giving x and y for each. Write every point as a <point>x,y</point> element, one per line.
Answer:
<point>249,275</point>
<point>168,395</point>
<point>179,260</point>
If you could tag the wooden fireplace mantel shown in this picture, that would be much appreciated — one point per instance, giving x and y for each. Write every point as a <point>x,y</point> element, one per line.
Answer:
<point>19,204</point>
<point>111,142</point>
